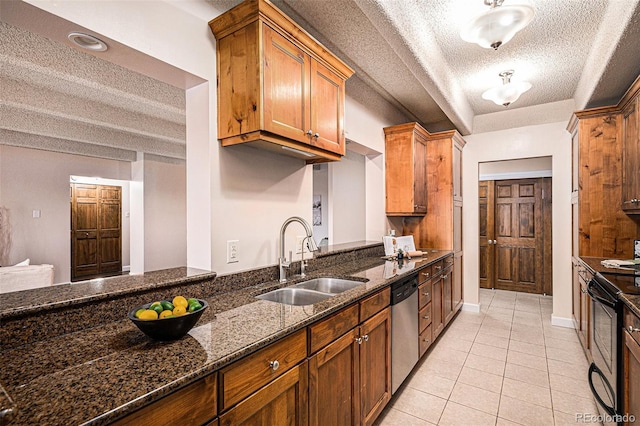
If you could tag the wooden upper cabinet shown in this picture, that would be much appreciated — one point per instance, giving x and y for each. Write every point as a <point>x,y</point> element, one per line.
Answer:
<point>277,86</point>
<point>406,170</point>
<point>631,158</point>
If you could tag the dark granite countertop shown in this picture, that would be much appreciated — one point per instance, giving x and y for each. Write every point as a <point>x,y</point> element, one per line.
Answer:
<point>102,373</point>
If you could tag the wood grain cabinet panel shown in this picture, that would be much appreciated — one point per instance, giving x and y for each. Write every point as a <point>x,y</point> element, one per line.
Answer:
<point>374,304</point>
<point>326,331</point>
<point>631,158</point>
<point>245,376</point>
<point>631,364</point>
<point>194,404</point>
<point>406,170</point>
<point>277,86</point>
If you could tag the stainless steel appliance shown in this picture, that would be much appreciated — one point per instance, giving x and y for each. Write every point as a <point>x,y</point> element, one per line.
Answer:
<point>605,372</point>
<point>404,329</point>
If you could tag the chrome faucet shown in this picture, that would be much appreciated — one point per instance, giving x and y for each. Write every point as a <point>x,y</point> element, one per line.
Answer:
<point>283,263</point>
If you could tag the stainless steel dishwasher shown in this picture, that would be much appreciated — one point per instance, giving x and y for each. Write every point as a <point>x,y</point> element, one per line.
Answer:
<point>404,329</point>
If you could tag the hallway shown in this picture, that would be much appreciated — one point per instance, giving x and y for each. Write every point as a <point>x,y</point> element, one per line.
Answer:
<point>506,365</point>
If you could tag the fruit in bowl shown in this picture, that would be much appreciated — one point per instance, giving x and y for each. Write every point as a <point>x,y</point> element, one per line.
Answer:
<point>168,320</point>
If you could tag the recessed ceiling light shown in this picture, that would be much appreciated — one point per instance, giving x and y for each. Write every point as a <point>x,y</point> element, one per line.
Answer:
<point>87,41</point>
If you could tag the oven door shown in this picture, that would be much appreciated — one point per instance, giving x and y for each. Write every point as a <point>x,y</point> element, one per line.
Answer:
<point>603,372</point>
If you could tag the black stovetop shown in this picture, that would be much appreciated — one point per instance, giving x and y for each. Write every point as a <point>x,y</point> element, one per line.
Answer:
<point>626,280</point>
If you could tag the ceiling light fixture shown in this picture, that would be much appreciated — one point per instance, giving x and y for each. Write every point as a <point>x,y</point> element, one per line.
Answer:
<point>498,25</point>
<point>508,92</point>
<point>87,41</point>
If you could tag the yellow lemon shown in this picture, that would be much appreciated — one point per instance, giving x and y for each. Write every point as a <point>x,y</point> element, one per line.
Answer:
<point>165,314</point>
<point>179,310</point>
<point>138,312</point>
<point>180,301</point>
<point>148,314</point>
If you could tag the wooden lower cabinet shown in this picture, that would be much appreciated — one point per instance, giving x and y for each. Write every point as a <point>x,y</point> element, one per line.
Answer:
<point>350,379</point>
<point>281,402</point>
<point>631,365</point>
<point>447,295</point>
<point>437,312</point>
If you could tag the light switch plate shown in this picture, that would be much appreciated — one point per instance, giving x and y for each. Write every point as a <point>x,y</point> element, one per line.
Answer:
<point>232,251</point>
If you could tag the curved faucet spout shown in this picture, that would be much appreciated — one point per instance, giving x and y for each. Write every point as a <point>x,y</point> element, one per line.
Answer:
<point>311,244</point>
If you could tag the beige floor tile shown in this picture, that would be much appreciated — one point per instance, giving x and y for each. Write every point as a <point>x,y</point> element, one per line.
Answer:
<point>494,331</point>
<point>527,375</point>
<point>527,348</point>
<point>473,397</point>
<point>569,355</point>
<point>550,342</point>
<point>561,333</point>
<point>489,351</point>
<point>500,311</point>
<point>564,419</point>
<point>527,307</point>
<point>480,379</point>
<point>420,404</point>
<point>527,336</point>
<point>472,317</point>
<point>452,342</point>
<point>526,392</point>
<point>527,360</point>
<point>482,363</point>
<point>505,422</point>
<point>528,322</point>
<point>524,412</point>
<point>533,328</point>
<point>490,322</point>
<point>393,417</point>
<point>572,404</point>
<point>442,369</point>
<point>561,368</point>
<point>448,355</point>
<point>491,340</point>
<point>469,335</point>
<point>492,316</point>
<point>425,381</point>
<point>498,303</point>
<point>578,387</point>
<point>456,414</point>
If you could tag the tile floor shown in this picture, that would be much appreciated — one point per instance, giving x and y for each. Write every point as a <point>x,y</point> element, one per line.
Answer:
<point>506,365</point>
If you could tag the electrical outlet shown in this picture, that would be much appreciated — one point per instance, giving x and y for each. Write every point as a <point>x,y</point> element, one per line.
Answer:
<point>299,241</point>
<point>232,251</point>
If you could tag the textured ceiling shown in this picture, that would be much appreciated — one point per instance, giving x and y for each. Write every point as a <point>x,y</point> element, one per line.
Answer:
<point>409,51</point>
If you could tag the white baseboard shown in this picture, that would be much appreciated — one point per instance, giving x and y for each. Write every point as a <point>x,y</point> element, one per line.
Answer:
<point>471,307</point>
<point>126,268</point>
<point>562,322</point>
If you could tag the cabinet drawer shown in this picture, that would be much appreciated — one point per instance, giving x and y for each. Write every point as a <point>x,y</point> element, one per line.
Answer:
<point>425,274</point>
<point>328,330</point>
<point>374,304</point>
<point>424,294</point>
<point>425,340</point>
<point>632,324</point>
<point>425,317</point>
<point>193,404</point>
<point>247,375</point>
<point>447,262</point>
<point>436,268</point>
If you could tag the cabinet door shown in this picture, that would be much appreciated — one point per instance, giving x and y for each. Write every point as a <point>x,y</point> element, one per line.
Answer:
<point>333,380</point>
<point>585,315</point>
<point>575,292</point>
<point>327,109</point>
<point>631,372</point>
<point>447,296</point>
<point>281,402</point>
<point>437,323</point>
<point>419,174</point>
<point>631,159</point>
<point>456,283</point>
<point>457,172</point>
<point>375,365</point>
<point>286,71</point>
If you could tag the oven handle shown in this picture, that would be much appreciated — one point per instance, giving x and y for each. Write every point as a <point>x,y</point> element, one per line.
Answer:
<point>591,291</point>
<point>594,369</point>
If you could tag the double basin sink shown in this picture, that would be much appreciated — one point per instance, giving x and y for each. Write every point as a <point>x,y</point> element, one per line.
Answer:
<point>311,291</point>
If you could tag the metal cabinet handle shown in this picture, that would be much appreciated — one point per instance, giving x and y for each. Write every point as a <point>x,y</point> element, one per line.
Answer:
<point>584,290</point>
<point>426,317</point>
<point>444,277</point>
<point>632,329</point>
<point>317,135</point>
<point>274,365</point>
<point>365,337</point>
<point>495,242</point>
<point>426,340</point>
<point>309,132</point>
<point>425,294</point>
<point>426,274</point>
<point>489,242</point>
<point>418,206</point>
<point>359,340</point>
<point>438,267</point>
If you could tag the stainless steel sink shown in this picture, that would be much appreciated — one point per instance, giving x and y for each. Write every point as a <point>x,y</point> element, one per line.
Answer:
<point>329,285</point>
<point>295,296</point>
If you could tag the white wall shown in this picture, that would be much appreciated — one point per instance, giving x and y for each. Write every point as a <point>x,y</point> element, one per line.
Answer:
<point>321,188</point>
<point>347,199</point>
<point>523,142</point>
<point>39,180</point>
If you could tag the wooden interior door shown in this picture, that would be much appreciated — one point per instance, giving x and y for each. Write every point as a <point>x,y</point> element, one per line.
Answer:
<point>519,235</point>
<point>96,231</point>
<point>486,231</point>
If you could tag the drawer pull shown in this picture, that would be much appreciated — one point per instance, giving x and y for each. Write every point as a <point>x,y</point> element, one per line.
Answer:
<point>632,329</point>
<point>274,365</point>
<point>438,267</point>
<point>425,294</point>
<point>426,317</point>
<point>444,277</point>
<point>359,340</point>
<point>426,340</point>
<point>365,337</point>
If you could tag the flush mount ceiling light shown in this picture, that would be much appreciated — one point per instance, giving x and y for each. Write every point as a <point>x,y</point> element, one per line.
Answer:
<point>498,25</point>
<point>508,92</point>
<point>87,41</point>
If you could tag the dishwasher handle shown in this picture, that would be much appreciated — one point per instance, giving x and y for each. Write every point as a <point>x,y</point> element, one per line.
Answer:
<point>403,289</point>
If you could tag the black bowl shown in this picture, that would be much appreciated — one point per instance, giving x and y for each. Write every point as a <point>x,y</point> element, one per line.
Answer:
<point>167,328</point>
